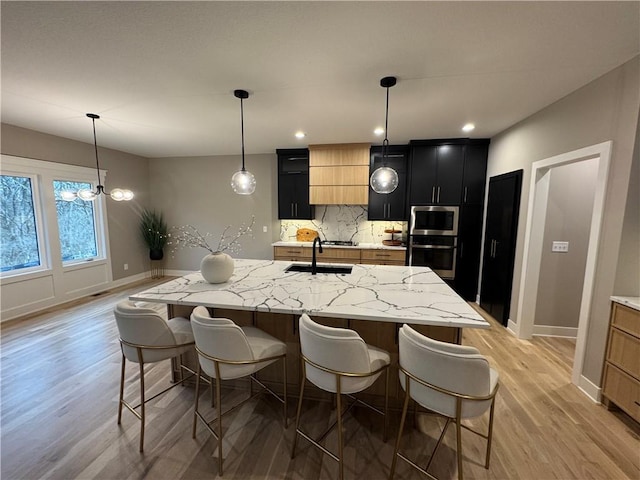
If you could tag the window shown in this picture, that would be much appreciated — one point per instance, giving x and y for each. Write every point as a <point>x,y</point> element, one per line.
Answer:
<point>76,223</point>
<point>41,234</point>
<point>18,226</point>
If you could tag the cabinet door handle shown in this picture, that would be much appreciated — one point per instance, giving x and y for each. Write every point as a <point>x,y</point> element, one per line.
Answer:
<point>433,194</point>
<point>461,248</point>
<point>296,209</point>
<point>438,195</point>
<point>292,214</point>
<point>465,195</point>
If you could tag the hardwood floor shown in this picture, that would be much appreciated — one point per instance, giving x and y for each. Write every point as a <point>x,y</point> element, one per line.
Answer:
<point>60,375</point>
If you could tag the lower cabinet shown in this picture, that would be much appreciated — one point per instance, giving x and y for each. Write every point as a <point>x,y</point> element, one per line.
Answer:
<point>621,376</point>
<point>372,256</point>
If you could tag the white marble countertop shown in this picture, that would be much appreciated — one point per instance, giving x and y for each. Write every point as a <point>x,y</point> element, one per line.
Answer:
<point>633,302</point>
<point>371,292</point>
<point>361,246</point>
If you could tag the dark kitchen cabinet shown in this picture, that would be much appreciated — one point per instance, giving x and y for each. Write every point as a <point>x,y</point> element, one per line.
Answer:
<point>503,207</point>
<point>293,185</point>
<point>468,254</point>
<point>436,174</point>
<point>475,172</point>
<point>390,206</point>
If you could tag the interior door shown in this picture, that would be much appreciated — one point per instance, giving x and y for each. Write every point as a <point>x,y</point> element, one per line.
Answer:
<point>503,207</point>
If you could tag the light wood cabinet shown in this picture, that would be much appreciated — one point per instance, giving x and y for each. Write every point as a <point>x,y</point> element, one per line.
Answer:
<point>621,376</point>
<point>383,256</point>
<point>371,256</point>
<point>339,174</point>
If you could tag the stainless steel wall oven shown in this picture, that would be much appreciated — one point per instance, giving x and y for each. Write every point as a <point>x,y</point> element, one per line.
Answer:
<point>433,238</point>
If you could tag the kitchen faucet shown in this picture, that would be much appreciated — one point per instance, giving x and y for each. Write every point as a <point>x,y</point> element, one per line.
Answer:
<point>314,267</point>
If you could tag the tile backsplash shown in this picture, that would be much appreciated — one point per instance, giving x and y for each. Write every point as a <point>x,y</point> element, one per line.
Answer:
<point>342,222</point>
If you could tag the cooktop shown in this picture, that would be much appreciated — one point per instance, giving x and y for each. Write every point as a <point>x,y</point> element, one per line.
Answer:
<point>347,243</point>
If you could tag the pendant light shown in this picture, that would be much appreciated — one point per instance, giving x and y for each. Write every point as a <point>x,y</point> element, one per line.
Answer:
<point>385,179</point>
<point>243,182</point>
<point>116,194</point>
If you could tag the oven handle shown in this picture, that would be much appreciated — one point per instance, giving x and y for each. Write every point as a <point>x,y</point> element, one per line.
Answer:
<point>434,247</point>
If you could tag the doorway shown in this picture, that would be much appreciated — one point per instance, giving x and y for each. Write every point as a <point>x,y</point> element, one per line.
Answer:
<point>533,245</point>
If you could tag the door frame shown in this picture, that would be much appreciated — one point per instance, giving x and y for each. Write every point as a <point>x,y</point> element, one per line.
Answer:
<point>533,243</point>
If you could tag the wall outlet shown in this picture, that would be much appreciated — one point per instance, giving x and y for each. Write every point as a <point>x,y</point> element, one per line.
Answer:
<point>126,266</point>
<point>562,247</point>
<point>264,229</point>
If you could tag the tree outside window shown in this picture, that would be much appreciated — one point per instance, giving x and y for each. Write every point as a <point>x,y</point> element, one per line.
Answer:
<point>76,223</point>
<point>18,232</point>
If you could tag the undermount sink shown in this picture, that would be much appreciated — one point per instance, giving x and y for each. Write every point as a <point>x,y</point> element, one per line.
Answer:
<point>319,269</point>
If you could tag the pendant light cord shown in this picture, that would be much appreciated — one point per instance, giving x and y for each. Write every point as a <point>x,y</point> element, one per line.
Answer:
<point>242,130</point>
<point>385,142</point>
<point>95,146</point>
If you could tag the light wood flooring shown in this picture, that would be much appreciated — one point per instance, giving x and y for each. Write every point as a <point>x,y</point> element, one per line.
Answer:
<point>60,375</point>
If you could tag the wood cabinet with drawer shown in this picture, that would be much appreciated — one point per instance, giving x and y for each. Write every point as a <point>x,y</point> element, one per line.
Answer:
<point>621,376</point>
<point>383,256</point>
<point>372,256</point>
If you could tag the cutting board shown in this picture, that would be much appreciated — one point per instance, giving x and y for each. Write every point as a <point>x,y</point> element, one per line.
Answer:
<point>306,235</point>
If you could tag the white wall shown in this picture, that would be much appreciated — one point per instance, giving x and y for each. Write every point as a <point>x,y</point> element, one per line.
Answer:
<point>605,109</point>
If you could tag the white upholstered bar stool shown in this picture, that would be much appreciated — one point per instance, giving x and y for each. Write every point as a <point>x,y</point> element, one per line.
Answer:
<point>227,351</point>
<point>145,337</point>
<point>337,360</point>
<point>453,381</point>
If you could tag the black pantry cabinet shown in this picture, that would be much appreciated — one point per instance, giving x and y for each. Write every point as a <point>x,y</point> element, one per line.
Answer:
<point>390,206</point>
<point>453,172</point>
<point>293,184</point>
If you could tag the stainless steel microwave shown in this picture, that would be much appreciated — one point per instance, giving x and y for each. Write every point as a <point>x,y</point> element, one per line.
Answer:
<point>434,220</point>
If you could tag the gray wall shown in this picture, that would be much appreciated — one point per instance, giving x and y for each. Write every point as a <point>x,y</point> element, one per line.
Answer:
<point>605,109</point>
<point>628,273</point>
<point>123,170</point>
<point>568,219</point>
<point>197,191</point>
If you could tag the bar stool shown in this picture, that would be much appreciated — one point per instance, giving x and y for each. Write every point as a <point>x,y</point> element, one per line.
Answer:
<point>338,361</point>
<point>454,381</point>
<point>227,351</point>
<point>145,337</point>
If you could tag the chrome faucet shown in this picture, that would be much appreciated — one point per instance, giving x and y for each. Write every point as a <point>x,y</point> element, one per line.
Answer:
<point>314,267</point>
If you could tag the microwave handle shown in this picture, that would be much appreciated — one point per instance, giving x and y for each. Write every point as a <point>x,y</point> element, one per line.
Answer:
<point>433,247</point>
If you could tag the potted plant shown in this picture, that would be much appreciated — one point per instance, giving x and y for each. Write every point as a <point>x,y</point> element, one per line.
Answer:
<point>154,231</point>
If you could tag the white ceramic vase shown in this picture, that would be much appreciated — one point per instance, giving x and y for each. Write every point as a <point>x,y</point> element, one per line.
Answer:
<point>216,267</point>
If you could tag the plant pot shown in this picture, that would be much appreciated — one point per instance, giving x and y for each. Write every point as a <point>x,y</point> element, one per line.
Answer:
<point>216,267</point>
<point>156,254</point>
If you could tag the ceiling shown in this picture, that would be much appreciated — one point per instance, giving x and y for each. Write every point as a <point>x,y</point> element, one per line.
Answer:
<point>162,74</point>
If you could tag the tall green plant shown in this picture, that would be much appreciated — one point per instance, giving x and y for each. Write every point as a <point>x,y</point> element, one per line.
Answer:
<point>153,229</point>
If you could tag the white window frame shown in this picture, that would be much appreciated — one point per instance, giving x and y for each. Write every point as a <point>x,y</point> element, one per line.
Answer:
<point>43,174</point>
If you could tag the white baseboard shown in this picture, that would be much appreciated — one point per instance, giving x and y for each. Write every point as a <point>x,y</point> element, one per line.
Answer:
<point>590,389</point>
<point>553,331</point>
<point>513,328</point>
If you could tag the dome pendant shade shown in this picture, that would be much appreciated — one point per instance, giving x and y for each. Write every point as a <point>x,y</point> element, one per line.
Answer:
<point>243,182</point>
<point>384,180</point>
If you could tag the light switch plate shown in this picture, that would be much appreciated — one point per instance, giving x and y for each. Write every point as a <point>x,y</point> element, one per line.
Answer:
<point>562,247</point>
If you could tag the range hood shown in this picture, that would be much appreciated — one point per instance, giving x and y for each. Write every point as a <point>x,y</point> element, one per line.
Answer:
<point>339,174</point>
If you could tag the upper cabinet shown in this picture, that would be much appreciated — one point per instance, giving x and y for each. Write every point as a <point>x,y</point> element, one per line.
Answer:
<point>389,206</point>
<point>339,174</point>
<point>447,172</point>
<point>293,184</point>
<point>475,172</point>
<point>436,174</point>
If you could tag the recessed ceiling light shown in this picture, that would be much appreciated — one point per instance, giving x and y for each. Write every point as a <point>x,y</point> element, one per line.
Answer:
<point>379,131</point>
<point>468,127</point>
<point>300,134</point>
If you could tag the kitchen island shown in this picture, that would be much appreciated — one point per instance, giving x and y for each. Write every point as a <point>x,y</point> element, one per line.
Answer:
<point>374,300</point>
